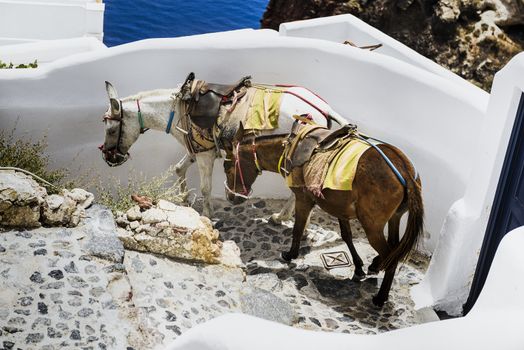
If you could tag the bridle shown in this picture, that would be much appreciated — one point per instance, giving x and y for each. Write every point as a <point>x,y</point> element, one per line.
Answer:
<point>120,119</point>
<point>245,194</point>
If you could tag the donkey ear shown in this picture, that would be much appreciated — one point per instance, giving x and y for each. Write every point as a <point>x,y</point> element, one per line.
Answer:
<point>115,107</point>
<point>111,91</point>
<point>239,135</point>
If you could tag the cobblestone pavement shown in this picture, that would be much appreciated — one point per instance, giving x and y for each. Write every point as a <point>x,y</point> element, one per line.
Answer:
<point>77,288</point>
<point>323,300</point>
<point>52,296</point>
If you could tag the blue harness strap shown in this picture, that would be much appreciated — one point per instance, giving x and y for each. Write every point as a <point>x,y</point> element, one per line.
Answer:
<point>170,122</point>
<point>388,161</point>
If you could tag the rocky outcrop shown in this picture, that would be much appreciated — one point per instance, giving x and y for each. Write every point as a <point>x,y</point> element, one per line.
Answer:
<point>24,203</point>
<point>176,232</point>
<point>66,209</point>
<point>101,230</point>
<point>264,304</point>
<point>473,38</point>
<point>78,288</point>
<point>20,200</point>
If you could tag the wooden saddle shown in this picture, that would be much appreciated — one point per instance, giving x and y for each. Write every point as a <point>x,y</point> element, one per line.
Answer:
<point>304,140</point>
<point>204,99</point>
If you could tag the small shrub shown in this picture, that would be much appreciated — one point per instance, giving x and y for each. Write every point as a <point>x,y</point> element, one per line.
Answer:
<point>117,196</point>
<point>30,156</point>
<point>10,65</point>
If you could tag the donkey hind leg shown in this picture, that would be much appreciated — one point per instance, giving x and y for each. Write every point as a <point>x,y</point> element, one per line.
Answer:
<point>375,234</point>
<point>393,240</point>
<point>378,242</point>
<point>181,170</point>
<point>285,213</point>
<point>205,162</point>
<point>347,236</point>
<point>374,267</point>
<point>303,207</point>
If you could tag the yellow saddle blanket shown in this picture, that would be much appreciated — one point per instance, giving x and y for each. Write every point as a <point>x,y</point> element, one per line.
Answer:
<point>343,166</point>
<point>258,109</point>
<point>334,169</point>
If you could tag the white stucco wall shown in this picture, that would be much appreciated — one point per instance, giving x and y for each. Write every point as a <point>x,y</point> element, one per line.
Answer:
<point>435,120</point>
<point>387,98</point>
<point>26,21</point>
<point>447,282</point>
<point>48,50</point>
<point>495,321</point>
<point>348,27</point>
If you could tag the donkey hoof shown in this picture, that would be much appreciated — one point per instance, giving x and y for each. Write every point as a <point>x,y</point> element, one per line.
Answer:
<point>287,256</point>
<point>378,301</point>
<point>275,220</point>
<point>372,270</point>
<point>358,276</point>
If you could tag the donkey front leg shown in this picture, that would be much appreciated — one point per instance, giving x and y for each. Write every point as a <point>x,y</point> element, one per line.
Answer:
<point>303,207</point>
<point>181,170</point>
<point>205,161</point>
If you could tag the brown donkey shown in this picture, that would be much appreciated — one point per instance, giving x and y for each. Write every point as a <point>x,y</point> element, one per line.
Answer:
<point>377,197</point>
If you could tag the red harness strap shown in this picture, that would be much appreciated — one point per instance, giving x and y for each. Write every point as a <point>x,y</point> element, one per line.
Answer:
<point>244,192</point>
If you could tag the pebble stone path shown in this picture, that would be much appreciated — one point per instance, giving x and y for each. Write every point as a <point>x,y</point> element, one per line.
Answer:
<point>57,291</point>
<point>323,300</point>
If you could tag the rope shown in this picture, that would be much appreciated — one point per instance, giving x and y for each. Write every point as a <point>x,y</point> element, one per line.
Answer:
<point>140,119</point>
<point>170,121</point>
<point>29,173</point>
<point>388,161</point>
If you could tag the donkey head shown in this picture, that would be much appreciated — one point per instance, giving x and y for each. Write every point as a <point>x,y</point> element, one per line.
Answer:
<point>240,168</point>
<point>122,129</point>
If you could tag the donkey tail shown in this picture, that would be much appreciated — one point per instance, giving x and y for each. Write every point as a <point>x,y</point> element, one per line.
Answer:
<point>414,228</point>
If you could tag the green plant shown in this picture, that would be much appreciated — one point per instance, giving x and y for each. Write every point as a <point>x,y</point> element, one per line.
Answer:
<point>30,156</point>
<point>117,196</point>
<point>10,65</point>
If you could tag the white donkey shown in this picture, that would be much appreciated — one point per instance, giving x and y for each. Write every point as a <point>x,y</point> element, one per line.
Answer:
<point>127,118</point>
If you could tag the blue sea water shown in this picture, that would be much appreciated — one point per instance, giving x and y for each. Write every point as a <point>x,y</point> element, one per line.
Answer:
<point>130,20</point>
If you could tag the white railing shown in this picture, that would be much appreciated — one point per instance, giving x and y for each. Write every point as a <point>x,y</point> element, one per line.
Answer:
<point>348,27</point>
<point>48,50</point>
<point>28,21</point>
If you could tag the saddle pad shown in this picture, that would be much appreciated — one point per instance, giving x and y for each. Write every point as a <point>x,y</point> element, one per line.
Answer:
<point>334,169</point>
<point>264,109</point>
<point>343,166</point>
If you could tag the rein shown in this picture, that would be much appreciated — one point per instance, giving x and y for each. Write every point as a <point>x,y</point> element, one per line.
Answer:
<point>116,150</point>
<point>246,194</point>
<point>140,119</point>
